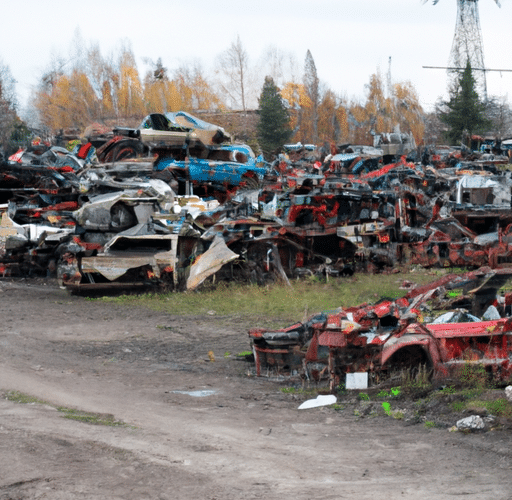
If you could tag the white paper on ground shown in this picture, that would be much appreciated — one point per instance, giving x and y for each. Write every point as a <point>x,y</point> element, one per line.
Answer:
<point>319,401</point>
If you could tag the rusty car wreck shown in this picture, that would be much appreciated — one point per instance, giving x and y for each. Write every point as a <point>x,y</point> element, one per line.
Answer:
<point>402,334</point>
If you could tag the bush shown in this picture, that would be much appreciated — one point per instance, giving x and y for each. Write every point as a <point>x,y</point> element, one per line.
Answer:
<point>500,408</point>
<point>473,376</point>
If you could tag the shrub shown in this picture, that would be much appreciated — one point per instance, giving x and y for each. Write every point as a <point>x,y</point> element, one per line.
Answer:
<point>500,408</point>
<point>473,376</point>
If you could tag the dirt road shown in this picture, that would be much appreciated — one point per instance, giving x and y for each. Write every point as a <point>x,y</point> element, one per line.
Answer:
<point>197,428</point>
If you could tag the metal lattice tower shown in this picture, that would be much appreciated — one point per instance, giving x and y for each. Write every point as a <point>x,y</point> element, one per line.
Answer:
<point>467,45</point>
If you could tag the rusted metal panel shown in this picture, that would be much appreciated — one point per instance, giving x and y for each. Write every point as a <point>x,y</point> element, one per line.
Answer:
<point>390,335</point>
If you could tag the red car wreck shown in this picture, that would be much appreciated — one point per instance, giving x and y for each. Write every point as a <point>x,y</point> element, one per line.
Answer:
<point>401,334</point>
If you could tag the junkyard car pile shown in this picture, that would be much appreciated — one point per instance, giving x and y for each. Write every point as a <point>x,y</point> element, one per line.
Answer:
<point>117,210</point>
<point>176,200</point>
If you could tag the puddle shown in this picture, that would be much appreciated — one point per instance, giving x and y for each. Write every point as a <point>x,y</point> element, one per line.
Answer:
<point>197,394</point>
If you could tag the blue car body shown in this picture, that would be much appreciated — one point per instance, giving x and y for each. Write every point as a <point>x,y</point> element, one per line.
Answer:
<point>240,164</point>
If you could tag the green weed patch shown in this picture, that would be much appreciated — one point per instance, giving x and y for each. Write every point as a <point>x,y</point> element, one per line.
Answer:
<point>70,413</point>
<point>498,407</point>
<point>20,397</point>
<point>90,418</point>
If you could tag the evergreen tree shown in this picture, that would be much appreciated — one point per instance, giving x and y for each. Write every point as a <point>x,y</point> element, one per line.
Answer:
<point>20,136</point>
<point>273,126</point>
<point>465,114</point>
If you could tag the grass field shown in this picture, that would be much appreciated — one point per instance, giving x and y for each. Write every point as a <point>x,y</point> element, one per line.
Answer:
<point>279,302</point>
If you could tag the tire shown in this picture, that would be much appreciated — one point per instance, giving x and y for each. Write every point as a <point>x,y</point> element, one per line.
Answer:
<point>126,150</point>
<point>122,217</point>
<point>250,181</point>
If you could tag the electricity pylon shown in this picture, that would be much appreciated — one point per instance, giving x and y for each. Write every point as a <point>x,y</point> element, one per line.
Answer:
<point>467,45</point>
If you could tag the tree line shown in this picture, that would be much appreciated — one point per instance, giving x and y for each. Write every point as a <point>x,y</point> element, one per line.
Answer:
<point>110,90</point>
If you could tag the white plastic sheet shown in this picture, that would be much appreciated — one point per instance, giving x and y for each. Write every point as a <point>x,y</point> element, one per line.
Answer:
<point>318,401</point>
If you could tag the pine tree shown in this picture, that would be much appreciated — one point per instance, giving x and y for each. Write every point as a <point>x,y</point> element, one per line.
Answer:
<point>465,113</point>
<point>273,126</point>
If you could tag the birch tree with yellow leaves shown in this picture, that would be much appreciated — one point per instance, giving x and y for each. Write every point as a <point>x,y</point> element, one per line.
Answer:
<point>410,114</point>
<point>160,94</point>
<point>68,102</point>
<point>328,125</point>
<point>295,96</point>
<point>384,110</point>
<point>194,89</point>
<point>51,98</point>
<point>130,95</point>
<point>101,74</point>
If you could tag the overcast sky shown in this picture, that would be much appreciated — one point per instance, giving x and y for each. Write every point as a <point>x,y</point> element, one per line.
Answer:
<point>349,39</point>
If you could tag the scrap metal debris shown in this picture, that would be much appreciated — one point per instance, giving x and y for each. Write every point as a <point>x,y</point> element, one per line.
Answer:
<point>150,206</point>
<point>378,339</point>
